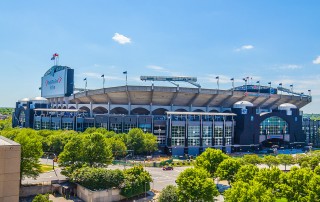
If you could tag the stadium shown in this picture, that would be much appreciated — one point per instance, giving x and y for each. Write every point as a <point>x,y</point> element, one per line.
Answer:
<point>185,120</point>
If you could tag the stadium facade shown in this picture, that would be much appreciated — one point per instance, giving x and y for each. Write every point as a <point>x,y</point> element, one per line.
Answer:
<point>184,120</point>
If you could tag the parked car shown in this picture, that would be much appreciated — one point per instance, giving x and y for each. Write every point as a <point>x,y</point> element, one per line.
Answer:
<point>167,168</point>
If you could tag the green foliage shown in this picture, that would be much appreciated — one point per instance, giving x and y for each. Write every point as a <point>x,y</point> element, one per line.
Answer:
<point>227,169</point>
<point>314,189</point>
<point>6,124</point>
<point>268,177</point>
<point>285,159</point>
<point>195,184</point>
<point>246,173</point>
<point>118,147</point>
<point>55,141</point>
<point>98,178</point>
<point>294,184</point>
<point>31,151</point>
<point>6,111</point>
<point>137,181</point>
<point>248,191</point>
<point>210,160</point>
<point>88,149</point>
<point>251,159</point>
<point>270,160</point>
<point>150,143</point>
<point>169,193</point>
<point>41,198</point>
<point>96,151</point>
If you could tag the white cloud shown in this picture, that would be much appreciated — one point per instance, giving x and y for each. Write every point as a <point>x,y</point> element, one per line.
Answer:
<point>245,47</point>
<point>121,38</point>
<point>316,61</point>
<point>157,68</point>
<point>290,66</point>
<point>164,70</point>
<point>98,76</point>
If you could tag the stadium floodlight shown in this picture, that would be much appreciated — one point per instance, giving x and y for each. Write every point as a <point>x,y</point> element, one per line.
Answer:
<point>103,80</point>
<point>269,87</point>
<point>172,79</point>
<point>309,92</point>
<point>232,79</point>
<point>85,85</point>
<point>217,77</point>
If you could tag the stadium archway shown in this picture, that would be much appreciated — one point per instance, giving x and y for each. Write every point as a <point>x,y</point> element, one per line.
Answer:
<point>100,110</point>
<point>273,131</point>
<point>140,111</point>
<point>181,110</point>
<point>198,110</point>
<point>119,110</point>
<point>85,109</point>
<point>72,107</point>
<point>159,111</point>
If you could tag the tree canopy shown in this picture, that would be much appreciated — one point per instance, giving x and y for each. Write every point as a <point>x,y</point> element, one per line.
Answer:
<point>210,160</point>
<point>195,184</point>
<point>227,169</point>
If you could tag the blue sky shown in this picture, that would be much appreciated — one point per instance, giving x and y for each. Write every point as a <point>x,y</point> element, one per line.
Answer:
<point>277,41</point>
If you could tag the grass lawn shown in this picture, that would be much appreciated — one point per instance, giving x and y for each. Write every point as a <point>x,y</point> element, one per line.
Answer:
<point>46,168</point>
<point>281,200</point>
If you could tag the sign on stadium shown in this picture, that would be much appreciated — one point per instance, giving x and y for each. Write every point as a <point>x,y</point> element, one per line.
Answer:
<point>57,82</point>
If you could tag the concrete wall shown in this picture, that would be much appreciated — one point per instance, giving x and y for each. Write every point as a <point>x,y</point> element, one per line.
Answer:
<point>26,191</point>
<point>98,196</point>
<point>9,170</point>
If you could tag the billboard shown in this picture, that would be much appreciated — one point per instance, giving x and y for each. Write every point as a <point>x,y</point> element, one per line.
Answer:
<point>57,83</point>
<point>255,88</point>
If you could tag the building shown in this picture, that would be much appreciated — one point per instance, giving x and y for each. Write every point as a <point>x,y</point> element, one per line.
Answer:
<point>185,120</point>
<point>9,170</point>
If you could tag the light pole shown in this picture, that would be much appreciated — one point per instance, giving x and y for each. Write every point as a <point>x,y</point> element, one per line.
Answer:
<point>258,82</point>
<point>126,73</point>
<point>280,84</point>
<point>85,84</point>
<point>217,77</point>
<point>232,79</point>
<point>245,80</point>
<point>269,88</point>
<point>291,87</point>
<point>103,80</point>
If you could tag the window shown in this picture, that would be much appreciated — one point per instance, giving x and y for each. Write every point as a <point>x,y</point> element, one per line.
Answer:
<point>67,126</point>
<point>194,136</point>
<point>178,135</point>
<point>37,125</point>
<point>207,136</point>
<point>116,127</point>
<point>274,126</point>
<point>128,127</point>
<point>45,125</point>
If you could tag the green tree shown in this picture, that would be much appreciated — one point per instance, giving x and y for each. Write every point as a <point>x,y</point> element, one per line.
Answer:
<point>248,191</point>
<point>118,147</point>
<point>150,143</point>
<point>268,177</point>
<point>31,151</point>
<point>96,151</point>
<point>6,124</point>
<point>195,184</point>
<point>41,198</point>
<point>317,170</point>
<point>270,160</point>
<point>251,159</point>
<point>136,181</point>
<point>294,184</point>
<point>285,159</point>
<point>227,169</point>
<point>314,189</point>
<point>210,160</point>
<point>98,178</point>
<point>135,140</point>
<point>246,173</point>
<point>169,193</point>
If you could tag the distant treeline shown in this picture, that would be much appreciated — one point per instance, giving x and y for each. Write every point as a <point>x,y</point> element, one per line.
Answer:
<point>312,116</point>
<point>6,111</point>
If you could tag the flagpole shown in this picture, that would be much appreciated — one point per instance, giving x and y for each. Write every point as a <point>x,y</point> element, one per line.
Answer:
<point>126,79</point>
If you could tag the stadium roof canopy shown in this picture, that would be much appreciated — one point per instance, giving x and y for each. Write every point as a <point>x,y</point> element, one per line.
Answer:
<point>182,96</point>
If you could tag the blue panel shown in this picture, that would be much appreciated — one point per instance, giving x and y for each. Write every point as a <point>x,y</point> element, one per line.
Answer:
<point>177,151</point>
<point>193,151</point>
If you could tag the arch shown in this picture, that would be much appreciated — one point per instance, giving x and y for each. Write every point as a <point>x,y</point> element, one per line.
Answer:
<point>64,107</point>
<point>227,111</point>
<point>140,111</point>
<point>214,111</point>
<point>273,127</point>
<point>85,109</point>
<point>119,110</point>
<point>159,111</point>
<point>181,110</point>
<point>100,110</point>
<point>72,107</point>
<point>198,110</point>
<point>59,107</point>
